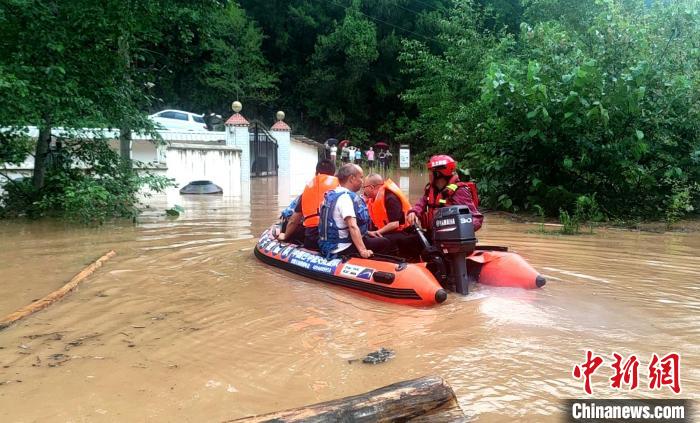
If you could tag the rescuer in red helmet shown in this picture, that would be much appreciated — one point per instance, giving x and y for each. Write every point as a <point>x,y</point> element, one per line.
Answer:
<point>444,189</point>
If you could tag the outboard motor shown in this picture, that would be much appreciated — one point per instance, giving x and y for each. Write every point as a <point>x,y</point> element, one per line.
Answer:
<point>433,257</point>
<point>453,234</point>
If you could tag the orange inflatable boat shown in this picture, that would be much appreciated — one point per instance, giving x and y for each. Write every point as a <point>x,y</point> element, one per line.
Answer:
<point>387,280</point>
<point>394,280</point>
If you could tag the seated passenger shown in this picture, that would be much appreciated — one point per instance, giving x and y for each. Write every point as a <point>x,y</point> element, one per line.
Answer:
<point>345,220</point>
<point>388,206</point>
<point>307,208</point>
<point>297,236</point>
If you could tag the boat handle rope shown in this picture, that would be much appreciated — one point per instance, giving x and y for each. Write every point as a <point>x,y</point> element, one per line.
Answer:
<point>380,257</point>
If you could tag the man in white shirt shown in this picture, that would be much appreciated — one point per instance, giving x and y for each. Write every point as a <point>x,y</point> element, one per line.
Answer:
<point>345,220</point>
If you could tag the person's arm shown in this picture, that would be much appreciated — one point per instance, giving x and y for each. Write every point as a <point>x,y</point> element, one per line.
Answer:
<point>388,228</point>
<point>292,225</point>
<point>394,214</point>
<point>464,197</point>
<point>356,237</point>
<point>416,211</point>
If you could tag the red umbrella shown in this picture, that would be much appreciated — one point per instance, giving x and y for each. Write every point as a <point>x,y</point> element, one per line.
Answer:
<point>381,145</point>
<point>343,143</point>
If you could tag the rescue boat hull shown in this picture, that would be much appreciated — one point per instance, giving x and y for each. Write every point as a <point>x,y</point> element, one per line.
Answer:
<point>400,283</point>
<point>503,268</point>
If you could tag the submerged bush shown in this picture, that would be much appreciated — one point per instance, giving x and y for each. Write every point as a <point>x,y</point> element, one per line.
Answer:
<point>570,225</point>
<point>86,182</point>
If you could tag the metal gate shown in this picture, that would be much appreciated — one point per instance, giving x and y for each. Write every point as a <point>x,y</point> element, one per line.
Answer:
<point>263,151</point>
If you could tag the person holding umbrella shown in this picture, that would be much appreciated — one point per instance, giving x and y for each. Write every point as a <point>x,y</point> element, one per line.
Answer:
<point>381,145</point>
<point>382,160</point>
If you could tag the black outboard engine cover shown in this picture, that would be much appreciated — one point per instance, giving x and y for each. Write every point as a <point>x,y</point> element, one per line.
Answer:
<point>453,230</point>
<point>453,234</point>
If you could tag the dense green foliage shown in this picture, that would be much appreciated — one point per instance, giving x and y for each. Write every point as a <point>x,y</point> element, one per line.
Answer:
<point>204,54</point>
<point>66,64</point>
<point>337,61</point>
<point>79,63</point>
<point>602,100</point>
<point>104,189</point>
<point>550,103</point>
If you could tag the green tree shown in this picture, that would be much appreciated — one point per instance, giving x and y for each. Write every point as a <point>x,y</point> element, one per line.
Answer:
<point>231,64</point>
<point>305,42</point>
<point>340,62</point>
<point>78,64</point>
<point>606,108</point>
<point>203,54</point>
<point>71,64</point>
<point>53,80</point>
<point>446,84</point>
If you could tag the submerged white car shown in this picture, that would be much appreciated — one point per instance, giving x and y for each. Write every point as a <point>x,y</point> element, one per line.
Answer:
<point>177,120</point>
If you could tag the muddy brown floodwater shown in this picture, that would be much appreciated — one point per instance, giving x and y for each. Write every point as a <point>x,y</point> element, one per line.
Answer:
<point>186,325</point>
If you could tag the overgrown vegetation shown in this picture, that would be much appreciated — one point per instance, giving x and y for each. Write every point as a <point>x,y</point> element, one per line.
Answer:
<point>596,100</point>
<point>586,213</point>
<point>83,64</point>
<point>85,181</point>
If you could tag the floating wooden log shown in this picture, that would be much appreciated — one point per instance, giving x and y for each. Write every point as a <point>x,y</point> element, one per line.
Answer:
<point>56,295</point>
<point>428,398</point>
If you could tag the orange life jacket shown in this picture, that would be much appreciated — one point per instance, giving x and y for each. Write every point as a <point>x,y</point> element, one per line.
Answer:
<point>312,197</point>
<point>377,206</point>
<point>444,198</point>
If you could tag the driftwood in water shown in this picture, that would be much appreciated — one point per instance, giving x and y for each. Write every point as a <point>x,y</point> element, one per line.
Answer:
<point>428,396</point>
<point>451,413</point>
<point>56,295</point>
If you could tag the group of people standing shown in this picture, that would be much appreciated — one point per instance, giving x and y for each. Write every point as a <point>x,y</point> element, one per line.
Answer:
<point>351,154</point>
<point>331,216</point>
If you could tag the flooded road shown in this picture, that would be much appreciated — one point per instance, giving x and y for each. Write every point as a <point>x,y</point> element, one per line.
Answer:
<point>184,324</point>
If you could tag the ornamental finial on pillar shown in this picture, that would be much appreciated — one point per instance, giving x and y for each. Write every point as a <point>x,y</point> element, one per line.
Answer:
<point>280,125</point>
<point>237,119</point>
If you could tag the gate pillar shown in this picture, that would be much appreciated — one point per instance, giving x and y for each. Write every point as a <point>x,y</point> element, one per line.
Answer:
<point>237,136</point>
<point>283,134</point>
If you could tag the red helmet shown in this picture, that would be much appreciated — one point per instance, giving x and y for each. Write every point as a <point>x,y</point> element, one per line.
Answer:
<point>442,164</point>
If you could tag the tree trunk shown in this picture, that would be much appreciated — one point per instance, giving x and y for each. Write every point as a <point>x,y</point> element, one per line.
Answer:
<point>125,130</point>
<point>429,396</point>
<point>125,146</point>
<point>40,158</point>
